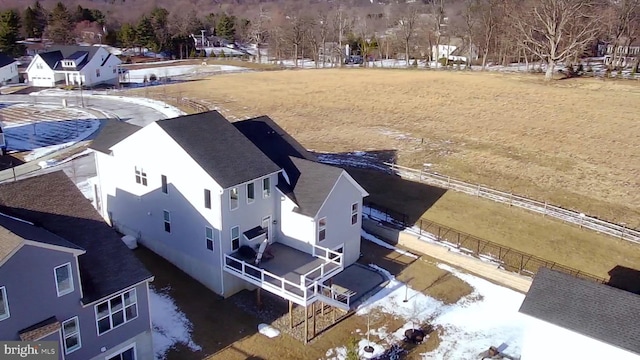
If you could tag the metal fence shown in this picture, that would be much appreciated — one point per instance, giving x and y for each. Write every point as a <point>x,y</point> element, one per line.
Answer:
<point>505,257</point>
<point>573,217</point>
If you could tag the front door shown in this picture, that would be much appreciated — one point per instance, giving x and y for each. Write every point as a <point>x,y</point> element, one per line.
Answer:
<point>266,224</point>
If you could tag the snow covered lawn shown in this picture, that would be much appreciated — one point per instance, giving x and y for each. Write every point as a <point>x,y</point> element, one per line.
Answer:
<point>487,317</point>
<point>170,325</point>
<point>139,75</point>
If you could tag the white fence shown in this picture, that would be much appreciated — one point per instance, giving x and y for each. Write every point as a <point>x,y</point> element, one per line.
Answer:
<point>544,208</point>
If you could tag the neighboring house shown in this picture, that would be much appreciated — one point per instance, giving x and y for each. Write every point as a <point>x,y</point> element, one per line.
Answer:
<point>73,65</point>
<point>455,49</point>
<point>66,276</point>
<point>206,192</point>
<point>8,70</point>
<point>622,55</point>
<point>572,318</point>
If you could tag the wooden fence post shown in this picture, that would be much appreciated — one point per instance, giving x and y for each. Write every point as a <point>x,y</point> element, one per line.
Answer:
<point>510,199</point>
<point>545,209</point>
<point>478,193</point>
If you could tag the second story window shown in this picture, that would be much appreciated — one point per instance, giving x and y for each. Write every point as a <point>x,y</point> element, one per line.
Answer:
<point>354,214</point>
<point>4,304</point>
<point>71,335</point>
<point>207,199</point>
<point>322,229</point>
<point>266,187</point>
<point>64,279</point>
<point>141,176</point>
<point>116,311</point>
<point>233,198</point>
<point>165,188</point>
<point>167,220</point>
<point>251,196</point>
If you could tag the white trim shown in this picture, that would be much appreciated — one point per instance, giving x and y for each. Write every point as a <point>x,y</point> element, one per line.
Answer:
<point>79,279</point>
<point>148,307</point>
<point>15,218</point>
<point>120,351</point>
<point>108,301</point>
<point>78,333</point>
<point>248,181</point>
<point>350,179</point>
<point>318,230</point>
<point>55,278</point>
<point>59,331</point>
<point>264,196</point>
<point>75,252</point>
<point>357,213</point>
<point>164,221</point>
<point>6,258</point>
<point>251,201</point>
<point>222,264</point>
<point>206,238</point>
<point>3,290</point>
<point>269,231</point>
<point>61,341</point>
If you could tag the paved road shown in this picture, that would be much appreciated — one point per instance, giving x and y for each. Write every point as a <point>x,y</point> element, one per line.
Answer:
<point>81,168</point>
<point>129,112</point>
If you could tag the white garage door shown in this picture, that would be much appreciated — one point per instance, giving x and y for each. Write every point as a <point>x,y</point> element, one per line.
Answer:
<point>42,81</point>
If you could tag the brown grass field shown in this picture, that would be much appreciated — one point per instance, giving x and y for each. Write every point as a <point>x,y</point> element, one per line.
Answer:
<point>574,143</point>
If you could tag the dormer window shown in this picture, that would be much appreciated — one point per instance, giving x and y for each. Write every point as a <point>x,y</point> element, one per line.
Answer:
<point>68,63</point>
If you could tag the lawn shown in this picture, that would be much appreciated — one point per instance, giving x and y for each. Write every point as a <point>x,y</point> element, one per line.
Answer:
<point>575,143</point>
<point>225,331</point>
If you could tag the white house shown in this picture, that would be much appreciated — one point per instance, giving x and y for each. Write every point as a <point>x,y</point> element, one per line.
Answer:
<point>8,70</point>
<point>572,318</point>
<point>73,65</point>
<point>205,194</point>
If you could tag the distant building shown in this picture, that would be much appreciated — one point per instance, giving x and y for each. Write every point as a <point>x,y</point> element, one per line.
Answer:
<point>621,55</point>
<point>73,65</point>
<point>8,70</point>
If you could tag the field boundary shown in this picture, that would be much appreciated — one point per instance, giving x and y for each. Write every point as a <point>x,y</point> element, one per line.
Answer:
<point>544,208</point>
<point>505,257</point>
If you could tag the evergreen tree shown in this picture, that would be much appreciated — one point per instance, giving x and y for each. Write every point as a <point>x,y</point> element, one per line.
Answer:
<point>226,27</point>
<point>10,32</point>
<point>34,21</point>
<point>60,29</point>
<point>144,33</point>
<point>159,20</point>
<point>127,35</point>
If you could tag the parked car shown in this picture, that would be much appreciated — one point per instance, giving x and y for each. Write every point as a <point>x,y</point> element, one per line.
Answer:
<point>353,60</point>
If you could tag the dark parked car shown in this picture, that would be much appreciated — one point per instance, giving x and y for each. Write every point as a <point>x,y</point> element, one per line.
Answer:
<point>354,60</point>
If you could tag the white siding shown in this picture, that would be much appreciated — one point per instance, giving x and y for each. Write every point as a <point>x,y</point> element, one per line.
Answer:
<point>106,71</point>
<point>44,77</point>
<point>137,208</point>
<point>337,211</point>
<point>295,230</point>
<point>546,341</point>
<point>9,74</point>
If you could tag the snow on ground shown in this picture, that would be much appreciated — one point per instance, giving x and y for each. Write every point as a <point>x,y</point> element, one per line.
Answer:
<point>170,325</point>
<point>268,330</point>
<point>487,317</point>
<point>382,243</point>
<point>167,72</point>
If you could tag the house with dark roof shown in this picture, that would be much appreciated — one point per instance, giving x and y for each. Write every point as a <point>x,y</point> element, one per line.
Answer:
<point>573,318</point>
<point>66,276</point>
<point>237,206</point>
<point>73,65</point>
<point>8,70</point>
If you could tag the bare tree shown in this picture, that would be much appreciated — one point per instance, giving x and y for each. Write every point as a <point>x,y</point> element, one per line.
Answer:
<point>555,30</point>
<point>295,33</point>
<point>341,24</point>
<point>437,22</point>
<point>488,12</point>
<point>258,29</point>
<point>407,21</point>
<point>623,20</point>
<point>322,32</point>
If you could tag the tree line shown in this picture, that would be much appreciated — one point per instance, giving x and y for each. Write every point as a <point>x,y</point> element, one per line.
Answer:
<point>498,31</point>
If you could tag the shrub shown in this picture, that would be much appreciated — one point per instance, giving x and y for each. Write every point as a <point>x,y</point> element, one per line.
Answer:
<point>193,53</point>
<point>153,78</point>
<point>607,72</point>
<point>443,62</point>
<point>415,63</point>
<point>352,350</point>
<point>222,55</point>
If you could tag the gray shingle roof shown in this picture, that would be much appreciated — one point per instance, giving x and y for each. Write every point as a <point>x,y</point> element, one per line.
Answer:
<point>51,58</point>
<point>56,53</point>
<point>5,60</point>
<point>595,310</point>
<point>54,203</point>
<point>310,181</point>
<point>219,148</point>
<point>33,233</point>
<point>112,132</point>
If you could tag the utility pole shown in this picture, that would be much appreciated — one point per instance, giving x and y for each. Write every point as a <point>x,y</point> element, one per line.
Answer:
<point>81,96</point>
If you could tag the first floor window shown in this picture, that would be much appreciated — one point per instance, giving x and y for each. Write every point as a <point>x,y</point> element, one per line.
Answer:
<point>167,220</point>
<point>208,234</point>
<point>4,304</point>
<point>71,335</point>
<point>322,229</point>
<point>141,176</point>
<point>354,214</point>
<point>64,279</point>
<point>116,311</point>
<point>128,354</point>
<point>235,238</point>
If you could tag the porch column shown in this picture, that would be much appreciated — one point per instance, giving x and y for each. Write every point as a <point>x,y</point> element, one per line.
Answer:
<point>290,314</point>
<point>66,78</point>
<point>306,324</point>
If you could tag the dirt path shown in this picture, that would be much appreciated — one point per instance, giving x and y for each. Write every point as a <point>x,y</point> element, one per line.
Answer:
<point>472,265</point>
